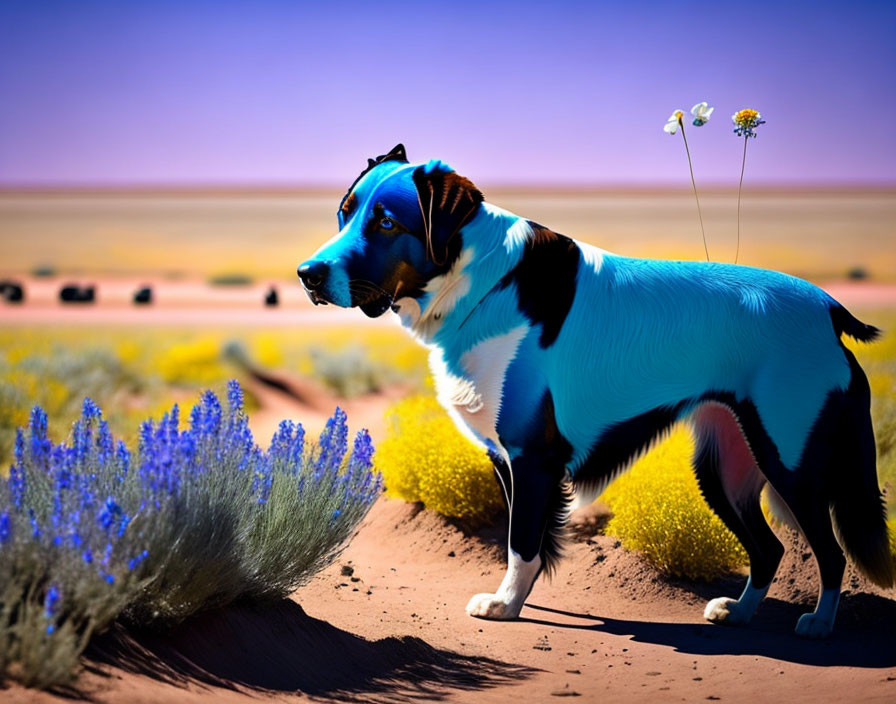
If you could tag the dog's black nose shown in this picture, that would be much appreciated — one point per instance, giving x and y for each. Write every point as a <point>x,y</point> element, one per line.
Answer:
<point>313,274</point>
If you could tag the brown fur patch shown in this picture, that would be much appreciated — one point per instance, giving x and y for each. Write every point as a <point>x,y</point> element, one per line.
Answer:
<point>405,279</point>
<point>447,201</point>
<point>542,234</point>
<point>349,204</point>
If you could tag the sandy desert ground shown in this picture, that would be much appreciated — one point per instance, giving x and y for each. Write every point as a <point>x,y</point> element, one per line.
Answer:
<point>386,624</point>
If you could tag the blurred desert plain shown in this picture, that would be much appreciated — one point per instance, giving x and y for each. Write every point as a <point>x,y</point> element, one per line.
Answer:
<point>817,233</point>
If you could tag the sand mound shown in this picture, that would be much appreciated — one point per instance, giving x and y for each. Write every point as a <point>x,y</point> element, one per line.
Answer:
<point>386,623</point>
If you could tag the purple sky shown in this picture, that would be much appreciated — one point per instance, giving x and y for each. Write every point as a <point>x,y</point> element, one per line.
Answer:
<point>220,92</point>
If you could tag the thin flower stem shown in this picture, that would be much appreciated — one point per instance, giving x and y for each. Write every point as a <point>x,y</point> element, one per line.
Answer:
<point>694,185</point>
<point>740,187</point>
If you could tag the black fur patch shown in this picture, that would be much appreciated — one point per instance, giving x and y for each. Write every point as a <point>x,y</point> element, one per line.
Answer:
<point>838,471</point>
<point>622,442</point>
<point>541,496</point>
<point>545,278</point>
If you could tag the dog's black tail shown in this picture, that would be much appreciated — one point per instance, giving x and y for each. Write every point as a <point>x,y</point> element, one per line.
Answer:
<point>858,509</point>
<point>845,323</point>
<point>860,519</point>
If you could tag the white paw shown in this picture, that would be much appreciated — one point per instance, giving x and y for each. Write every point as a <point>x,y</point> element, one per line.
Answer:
<point>726,610</point>
<point>492,607</point>
<point>813,626</point>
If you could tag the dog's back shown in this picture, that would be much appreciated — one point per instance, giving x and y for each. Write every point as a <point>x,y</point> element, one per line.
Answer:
<point>652,335</point>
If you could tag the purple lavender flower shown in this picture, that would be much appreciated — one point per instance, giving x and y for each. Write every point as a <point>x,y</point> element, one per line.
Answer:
<point>35,526</point>
<point>123,459</point>
<point>134,561</point>
<point>17,484</point>
<point>40,444</point>
<point>234,399</point>
<point>110,514</point>
<point>362,454</point>
<point>81,439</point>
<point>333,442</point>
<point>297,450</point>
<point>263,475</point>
<point>89,410</point>
<point>211,414</point>
<point>173,425</point>
<point>19,450</point>
<point>282,440</point>
<point>5,527</point>
<point>104,444</point>
<point>51,606</point>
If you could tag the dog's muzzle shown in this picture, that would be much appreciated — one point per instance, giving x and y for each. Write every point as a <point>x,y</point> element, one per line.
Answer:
<point>314,277</point>
<point>372,300</point>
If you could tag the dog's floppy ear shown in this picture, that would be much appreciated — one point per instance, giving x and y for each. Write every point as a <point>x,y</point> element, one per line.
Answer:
<point>447,201</point>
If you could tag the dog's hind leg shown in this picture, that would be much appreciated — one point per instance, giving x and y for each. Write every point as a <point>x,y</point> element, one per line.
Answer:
<point>538,507</point>
<point>731,482</point>
<point>811,509</point>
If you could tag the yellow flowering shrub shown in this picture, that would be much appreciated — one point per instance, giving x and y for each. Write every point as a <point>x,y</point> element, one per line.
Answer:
<point>658,510</point>
<point>195,362</point>
<point>424,457</point>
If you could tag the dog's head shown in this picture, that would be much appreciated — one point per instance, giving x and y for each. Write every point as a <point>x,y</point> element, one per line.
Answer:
<point>399,226</point>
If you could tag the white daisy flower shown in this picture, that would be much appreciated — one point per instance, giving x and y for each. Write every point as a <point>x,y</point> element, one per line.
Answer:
<point>674,122</point>
<point>701,113</point>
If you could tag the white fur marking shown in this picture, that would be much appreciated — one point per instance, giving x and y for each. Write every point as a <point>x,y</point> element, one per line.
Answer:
<point>478,397</point>
<point>593,256</point>
<point>735,612</point>
<point>441,295</point>
<point>517,235</point>
<point>508,601</point>
<point>408,310</point>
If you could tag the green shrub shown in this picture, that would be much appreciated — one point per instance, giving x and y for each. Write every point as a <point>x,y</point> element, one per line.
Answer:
<point>230,279</point>
<point>195,519</point>
<point>349,371</point>
<point>658,510</point>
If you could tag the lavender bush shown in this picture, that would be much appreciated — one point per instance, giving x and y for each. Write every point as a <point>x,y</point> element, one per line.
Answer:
<point>196,518</point>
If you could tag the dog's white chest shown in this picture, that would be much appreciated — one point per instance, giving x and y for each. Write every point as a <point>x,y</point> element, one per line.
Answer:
<point>474,398</point>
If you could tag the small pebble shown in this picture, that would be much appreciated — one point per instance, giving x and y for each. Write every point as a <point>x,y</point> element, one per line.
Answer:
<point>565,692</point>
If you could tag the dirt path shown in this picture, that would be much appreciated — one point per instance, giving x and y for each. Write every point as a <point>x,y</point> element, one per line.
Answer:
<point>386,624</point>
<point>195,304</point>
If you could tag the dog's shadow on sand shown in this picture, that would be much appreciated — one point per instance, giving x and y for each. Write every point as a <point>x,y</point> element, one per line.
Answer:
<point>278,647</point>
<point>863,634</point>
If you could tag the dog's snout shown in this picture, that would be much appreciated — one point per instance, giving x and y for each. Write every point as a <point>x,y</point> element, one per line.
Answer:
<point>313,274</point>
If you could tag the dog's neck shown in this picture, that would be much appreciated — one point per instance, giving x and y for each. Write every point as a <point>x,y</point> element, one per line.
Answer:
<point>493,242</point>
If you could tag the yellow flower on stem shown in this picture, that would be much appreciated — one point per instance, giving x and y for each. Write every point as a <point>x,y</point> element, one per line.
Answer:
<point>745,123</point>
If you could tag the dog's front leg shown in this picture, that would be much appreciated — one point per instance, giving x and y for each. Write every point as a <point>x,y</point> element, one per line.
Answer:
<point>530,489</point>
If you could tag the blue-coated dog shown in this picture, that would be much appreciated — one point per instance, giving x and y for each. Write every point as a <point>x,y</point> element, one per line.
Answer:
<point>566,362</point>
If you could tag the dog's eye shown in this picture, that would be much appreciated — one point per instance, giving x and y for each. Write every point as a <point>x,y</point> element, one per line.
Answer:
<point>387,224</point>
